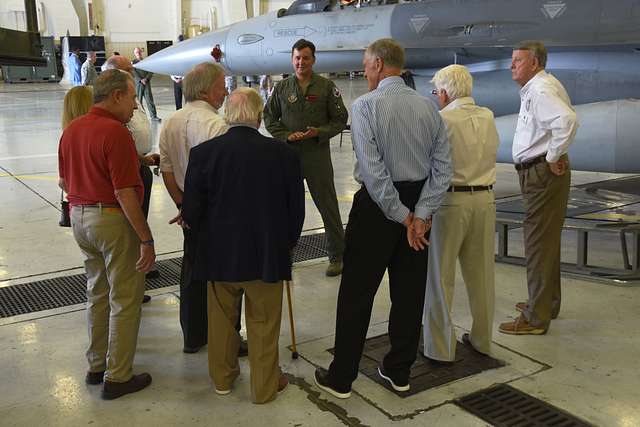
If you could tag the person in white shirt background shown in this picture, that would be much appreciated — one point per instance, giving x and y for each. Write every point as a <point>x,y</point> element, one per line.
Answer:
<point>547,125</point>
<point>464,226</point>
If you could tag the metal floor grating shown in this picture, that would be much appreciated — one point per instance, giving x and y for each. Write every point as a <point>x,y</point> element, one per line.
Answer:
<point>70,290</point>
<point>505,406</point>
<point>424,375</point>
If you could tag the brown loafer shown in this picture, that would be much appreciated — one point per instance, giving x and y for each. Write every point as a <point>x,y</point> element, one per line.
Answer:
<point>112,390</point>
<point>520,326</point>
<point>522,306</point>
<point>283,382</point>
<point>94,378</point>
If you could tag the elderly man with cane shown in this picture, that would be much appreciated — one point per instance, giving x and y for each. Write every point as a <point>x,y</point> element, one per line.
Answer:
<point>244,199</point>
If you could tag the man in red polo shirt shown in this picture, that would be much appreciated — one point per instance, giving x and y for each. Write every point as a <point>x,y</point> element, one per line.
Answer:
<point>98,169</point>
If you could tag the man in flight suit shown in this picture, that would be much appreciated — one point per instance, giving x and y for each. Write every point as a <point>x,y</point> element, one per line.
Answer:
<point>306,110</point>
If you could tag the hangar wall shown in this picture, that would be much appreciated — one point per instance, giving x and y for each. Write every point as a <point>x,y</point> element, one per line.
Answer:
<point>55,17</point>
<point>126,24</point>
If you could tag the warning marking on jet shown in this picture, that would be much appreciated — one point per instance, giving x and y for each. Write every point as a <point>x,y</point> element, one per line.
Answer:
<point>554,9</point>
<point>294,32</point>
<point>348,29</point>
<point>419,23</point>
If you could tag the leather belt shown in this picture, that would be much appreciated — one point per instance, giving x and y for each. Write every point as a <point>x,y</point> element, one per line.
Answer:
<point>471,188</point>
<point>100,205</point>
<point>529,163</point>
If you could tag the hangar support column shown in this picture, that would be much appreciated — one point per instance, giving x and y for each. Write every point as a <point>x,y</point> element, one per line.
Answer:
<point>80,6</point>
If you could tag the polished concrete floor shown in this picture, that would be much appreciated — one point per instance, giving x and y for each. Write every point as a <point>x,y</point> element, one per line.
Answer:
<point>585,365</point>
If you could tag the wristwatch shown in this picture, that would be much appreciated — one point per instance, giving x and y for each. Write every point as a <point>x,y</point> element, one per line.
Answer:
<point>147,242</point>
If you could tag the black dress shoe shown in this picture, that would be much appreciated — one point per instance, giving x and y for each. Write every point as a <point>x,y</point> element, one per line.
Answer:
<point>322,380</point>
<point>396,383</point>
<point>112,390</point>
<point>191,350</point>
<point>153,274</point>
<point>94,378</point>
<point>146,299</point>
<point>243,350</point>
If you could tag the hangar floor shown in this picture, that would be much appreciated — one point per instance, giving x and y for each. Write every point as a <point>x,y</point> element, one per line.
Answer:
<point>585,365</point>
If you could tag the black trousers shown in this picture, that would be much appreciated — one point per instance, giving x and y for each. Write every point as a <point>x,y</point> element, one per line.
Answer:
<point>374,244</point>
<point>147,182</point>
<point>193,298</point>
<point>177,94</point>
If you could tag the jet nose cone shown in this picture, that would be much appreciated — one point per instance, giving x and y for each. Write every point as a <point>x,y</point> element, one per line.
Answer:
<point>182,57</point>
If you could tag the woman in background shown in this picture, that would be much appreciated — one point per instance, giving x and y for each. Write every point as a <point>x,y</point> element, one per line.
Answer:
<point>77,102</point>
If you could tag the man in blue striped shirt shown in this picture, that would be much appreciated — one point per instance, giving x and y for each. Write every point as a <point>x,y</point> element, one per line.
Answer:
<point>404,165</point>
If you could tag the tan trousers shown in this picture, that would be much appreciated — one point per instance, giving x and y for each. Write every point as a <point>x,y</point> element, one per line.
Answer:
<point>463,228</point>
<point>114,288</point>
<point>263,310</point>
<point>545,199</point>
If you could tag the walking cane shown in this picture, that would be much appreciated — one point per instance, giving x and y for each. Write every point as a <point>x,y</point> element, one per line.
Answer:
<point>294,352</point>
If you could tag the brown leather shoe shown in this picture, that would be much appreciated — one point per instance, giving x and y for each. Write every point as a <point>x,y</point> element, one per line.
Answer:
<point>112,390</point>
<point>283,382</point>
<point>520,326</point>
<point>522,306</point>
<point>94,378</point>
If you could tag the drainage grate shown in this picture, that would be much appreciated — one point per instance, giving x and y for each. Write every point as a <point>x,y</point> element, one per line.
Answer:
<point>503,405</point>
<point>424,375</point>
<point>69,290</point>
<point>311,246</point>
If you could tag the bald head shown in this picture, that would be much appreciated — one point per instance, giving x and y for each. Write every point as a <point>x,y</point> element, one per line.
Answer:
<point>117,62</point>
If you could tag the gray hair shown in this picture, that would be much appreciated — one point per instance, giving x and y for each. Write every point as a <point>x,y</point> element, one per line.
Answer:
<point>455,80</point>
<point>537,49</point>
<point>200,79</point>
<point>389,51</point>
<point>244,106</point>
<point>110,81</point>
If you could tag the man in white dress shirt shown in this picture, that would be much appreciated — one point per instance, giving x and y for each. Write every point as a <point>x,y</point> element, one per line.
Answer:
<point>464,226</point>
<point>198,121</point>
<point>547,124</point>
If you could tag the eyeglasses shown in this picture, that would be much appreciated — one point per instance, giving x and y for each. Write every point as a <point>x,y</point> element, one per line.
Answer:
<point>435,92</point>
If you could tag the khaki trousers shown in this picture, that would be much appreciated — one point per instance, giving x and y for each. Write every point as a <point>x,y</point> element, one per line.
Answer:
<point>263,310</point>
<point>545,198</point>
<point>114,288</point>
<point>463,229</point>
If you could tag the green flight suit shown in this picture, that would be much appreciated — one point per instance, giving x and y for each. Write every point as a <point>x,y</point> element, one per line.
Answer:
<point>144,91</point>
<point>290,110</point>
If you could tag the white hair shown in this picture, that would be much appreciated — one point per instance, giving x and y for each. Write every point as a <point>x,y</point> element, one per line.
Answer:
<point>244,106</point>
<point>455,79</point>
